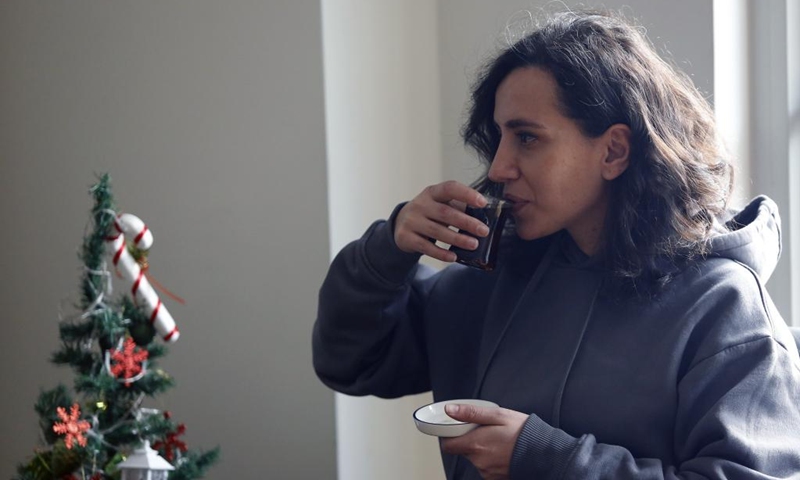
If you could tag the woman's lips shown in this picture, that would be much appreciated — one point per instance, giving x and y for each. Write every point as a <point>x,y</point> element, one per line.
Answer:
<point>517,203</point>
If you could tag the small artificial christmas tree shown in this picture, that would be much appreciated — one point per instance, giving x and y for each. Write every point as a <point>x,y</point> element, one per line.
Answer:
<point>110,345</point>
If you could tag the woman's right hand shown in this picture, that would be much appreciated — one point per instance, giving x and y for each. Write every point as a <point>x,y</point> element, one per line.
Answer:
<point>425,220</point>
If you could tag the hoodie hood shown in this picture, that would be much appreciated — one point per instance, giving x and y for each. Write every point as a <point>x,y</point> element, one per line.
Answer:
<point>752,237</point>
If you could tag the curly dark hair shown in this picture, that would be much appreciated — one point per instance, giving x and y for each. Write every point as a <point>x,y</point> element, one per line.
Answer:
<point>662,209</point>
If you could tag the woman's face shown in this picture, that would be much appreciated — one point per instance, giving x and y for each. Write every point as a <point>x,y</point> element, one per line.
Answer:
<point>552,172</point>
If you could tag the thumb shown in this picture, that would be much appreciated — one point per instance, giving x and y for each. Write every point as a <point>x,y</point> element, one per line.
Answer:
<point>474,414</point>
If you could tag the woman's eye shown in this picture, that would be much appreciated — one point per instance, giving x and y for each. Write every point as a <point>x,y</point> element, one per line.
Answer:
<point>525,138</point>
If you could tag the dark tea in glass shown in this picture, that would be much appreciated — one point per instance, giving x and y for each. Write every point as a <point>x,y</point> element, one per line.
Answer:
<point>494,215</point>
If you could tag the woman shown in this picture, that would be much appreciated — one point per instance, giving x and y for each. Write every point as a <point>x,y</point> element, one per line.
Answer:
<point>626,331</point>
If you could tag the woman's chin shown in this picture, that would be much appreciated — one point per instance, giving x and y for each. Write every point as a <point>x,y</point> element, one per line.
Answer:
<point>528,232</point>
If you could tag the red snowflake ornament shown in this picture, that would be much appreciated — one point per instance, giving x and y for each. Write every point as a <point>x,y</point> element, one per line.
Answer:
<point>128,361</point>
<point>71,426</point>
<point>171,443</point>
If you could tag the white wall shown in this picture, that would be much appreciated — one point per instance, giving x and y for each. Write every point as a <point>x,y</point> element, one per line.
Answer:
<point>771,172</point>
<point>210,118</point>
<point>757,52</point>
<point>732,86</point>
<point>793,118</point>
<point>382,115</point>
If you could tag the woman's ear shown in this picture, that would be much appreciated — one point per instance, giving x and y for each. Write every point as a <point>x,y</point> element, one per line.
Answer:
<point>618,144</point>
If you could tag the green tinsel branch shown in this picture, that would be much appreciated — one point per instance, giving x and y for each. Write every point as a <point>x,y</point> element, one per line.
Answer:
<point>74,332</point>
<point>93,250</point>
<point>195,465</point>
<point>45,407</point>
<point>82,360</point>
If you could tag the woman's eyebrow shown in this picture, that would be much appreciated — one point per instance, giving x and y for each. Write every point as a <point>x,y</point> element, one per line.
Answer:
<point>520,122</point>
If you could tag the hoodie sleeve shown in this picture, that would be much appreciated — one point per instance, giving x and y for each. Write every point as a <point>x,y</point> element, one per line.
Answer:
<point>367,338</point>
<point>738,411</point>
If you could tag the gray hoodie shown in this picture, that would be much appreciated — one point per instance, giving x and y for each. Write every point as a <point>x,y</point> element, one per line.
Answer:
<point>703,381</point>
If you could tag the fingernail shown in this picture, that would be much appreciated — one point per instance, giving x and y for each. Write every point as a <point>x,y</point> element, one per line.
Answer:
<point>482,202</point>
<point>451,409</point>
<point>483,230</point>
<point>473,243</point>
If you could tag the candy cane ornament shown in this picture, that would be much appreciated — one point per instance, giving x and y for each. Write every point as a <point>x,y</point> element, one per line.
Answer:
<point>128,268</point>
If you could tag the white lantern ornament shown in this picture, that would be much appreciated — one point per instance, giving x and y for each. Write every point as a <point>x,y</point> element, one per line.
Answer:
<point>145,464</point>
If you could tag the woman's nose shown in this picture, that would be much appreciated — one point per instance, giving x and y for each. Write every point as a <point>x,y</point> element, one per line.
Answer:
<point>502,169</point>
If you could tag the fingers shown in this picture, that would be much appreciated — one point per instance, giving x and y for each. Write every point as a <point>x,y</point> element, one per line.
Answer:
<point>428,217</point>
<point>412,242</point>
<point>468,443</point>
<point>475,414</point>
<point>445,213</point>
<point>490,446</point>
<point>418,233</point>
<point>462,445</point>
<point>453,190</point>
<point>458,205</point>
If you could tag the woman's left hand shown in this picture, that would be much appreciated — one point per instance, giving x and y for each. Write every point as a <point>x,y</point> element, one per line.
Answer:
<point>489,446</point>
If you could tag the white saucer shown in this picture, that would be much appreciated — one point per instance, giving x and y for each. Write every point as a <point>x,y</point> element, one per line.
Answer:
<point>431,419</point>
